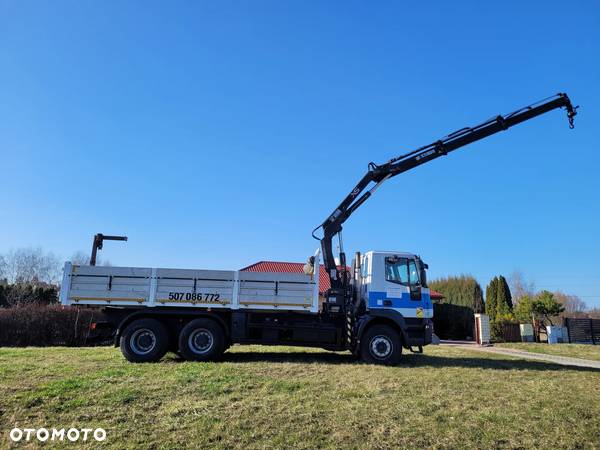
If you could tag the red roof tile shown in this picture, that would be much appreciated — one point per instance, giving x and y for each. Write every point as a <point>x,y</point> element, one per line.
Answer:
<point>435,295</point>
<point>288,267</point>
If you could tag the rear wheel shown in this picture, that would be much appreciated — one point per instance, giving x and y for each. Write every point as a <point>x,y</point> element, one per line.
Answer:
<point>381,344</point>
<point>144,340</point>
<point>202,340</point>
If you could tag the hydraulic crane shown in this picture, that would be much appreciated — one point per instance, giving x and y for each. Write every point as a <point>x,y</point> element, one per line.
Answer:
<point>381,308</point>
<point>377,174</point>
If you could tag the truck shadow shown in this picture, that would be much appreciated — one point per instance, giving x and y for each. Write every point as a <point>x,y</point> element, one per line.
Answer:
<point>409,360</point>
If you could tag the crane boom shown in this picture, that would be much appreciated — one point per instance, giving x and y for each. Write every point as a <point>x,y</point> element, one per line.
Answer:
<point>377,174</point>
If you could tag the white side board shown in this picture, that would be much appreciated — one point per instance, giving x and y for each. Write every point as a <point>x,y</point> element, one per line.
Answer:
<point>139,286</point>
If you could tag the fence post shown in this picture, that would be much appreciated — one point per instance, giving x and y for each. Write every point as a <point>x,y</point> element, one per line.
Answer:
<point>592,331</point>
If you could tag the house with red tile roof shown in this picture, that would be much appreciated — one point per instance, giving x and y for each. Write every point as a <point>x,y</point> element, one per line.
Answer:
<point>288,267</point>
<point>293,267</point>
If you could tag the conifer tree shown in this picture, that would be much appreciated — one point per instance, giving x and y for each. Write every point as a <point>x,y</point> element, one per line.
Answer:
<point>479,304</point>
<point>504,304</point>
<point>491,303</point>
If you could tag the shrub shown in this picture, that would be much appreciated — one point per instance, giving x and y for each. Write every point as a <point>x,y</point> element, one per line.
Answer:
<point>524,309</point>
<point>463,290</point>
<point>498,324</point>
<point>20,294</point>
<point>42,326</point>
<point>543,307</point>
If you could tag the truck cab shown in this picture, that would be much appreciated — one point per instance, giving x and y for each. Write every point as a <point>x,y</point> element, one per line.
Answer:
<point>395,281</point>
<point>391,291</point>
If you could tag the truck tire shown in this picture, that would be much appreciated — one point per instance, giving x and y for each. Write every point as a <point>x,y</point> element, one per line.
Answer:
<point>381,344</point>
<point>144,340</point>
<point>202,340</point>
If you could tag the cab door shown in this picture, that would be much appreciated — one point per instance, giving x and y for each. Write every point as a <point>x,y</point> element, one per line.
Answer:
<point>403,290</point>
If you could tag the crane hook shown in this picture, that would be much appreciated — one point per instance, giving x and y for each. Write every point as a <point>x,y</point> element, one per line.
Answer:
<point>571,113</point>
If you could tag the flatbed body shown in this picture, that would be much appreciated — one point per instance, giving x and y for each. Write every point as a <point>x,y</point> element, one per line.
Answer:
<point>188,288</point>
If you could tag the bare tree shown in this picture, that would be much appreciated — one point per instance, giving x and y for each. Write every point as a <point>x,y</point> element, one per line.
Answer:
<point>573,305</point>
<point>3,267</point>
<point>30,265</point>
<point>519,286</point>
<point>80,258</point>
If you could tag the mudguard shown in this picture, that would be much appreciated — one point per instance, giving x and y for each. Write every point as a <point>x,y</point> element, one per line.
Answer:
<point>162,314</point>
<point>388,314</point>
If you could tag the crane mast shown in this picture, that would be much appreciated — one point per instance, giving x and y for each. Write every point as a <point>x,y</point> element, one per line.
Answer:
<point>377,174</point>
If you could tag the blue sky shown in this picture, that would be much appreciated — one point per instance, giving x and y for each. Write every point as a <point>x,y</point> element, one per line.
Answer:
<point>218,134</point>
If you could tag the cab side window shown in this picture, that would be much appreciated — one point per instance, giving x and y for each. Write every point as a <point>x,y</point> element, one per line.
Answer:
<point>363,268</point>
<point>413,273</point>
<point>401,271</point>
<point>396,270</point>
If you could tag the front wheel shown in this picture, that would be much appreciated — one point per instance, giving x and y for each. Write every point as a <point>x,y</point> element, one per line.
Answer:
<point>381,344</point>
<point>202,340</point>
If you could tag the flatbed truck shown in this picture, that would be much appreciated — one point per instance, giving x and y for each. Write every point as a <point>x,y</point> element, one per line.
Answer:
<point>375,308</point>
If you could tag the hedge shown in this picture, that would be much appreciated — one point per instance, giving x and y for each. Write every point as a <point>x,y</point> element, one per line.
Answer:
<point>452,321</point>
<point>38,325</point>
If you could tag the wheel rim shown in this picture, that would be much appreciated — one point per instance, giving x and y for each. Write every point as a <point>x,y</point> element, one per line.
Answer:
<point>201,341</point>
<point>381,347</point>
<point>142,341</point>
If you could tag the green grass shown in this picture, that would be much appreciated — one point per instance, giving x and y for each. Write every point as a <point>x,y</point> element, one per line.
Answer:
<point>570,350</point>
<point>282,397</point>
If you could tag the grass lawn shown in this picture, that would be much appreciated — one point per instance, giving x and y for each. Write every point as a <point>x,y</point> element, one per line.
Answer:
<point>279,397</point>
<point>570,350</point>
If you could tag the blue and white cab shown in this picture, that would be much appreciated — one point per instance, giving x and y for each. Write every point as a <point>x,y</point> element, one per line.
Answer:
<point>397,281</point>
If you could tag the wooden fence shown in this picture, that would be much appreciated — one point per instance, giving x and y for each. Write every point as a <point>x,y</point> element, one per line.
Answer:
<point>511,332</point>
<point>583,331</point>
